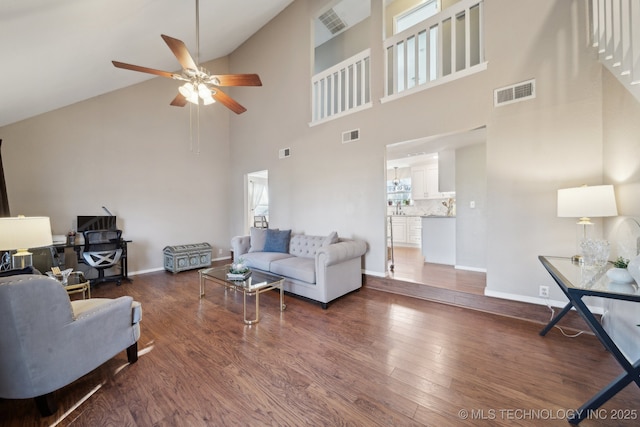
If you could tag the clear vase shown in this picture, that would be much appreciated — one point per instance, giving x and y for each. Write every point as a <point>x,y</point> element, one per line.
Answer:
<point>595,252</point>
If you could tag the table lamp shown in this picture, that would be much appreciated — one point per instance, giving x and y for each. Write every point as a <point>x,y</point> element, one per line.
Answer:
<point>21,233</point>
<point>586,202</point>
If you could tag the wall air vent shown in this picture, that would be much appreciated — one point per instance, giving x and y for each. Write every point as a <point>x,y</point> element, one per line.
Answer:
<point>332,21</point>
<point>350,136</point>
<point>284,152</point>
<point>514,93</point>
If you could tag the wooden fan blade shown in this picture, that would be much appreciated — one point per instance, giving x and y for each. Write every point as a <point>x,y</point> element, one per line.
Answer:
<point>179,101</point>
<point>236,80</point>
<point>181,52</point>
<point>145,70</point>
<point>227,101</point>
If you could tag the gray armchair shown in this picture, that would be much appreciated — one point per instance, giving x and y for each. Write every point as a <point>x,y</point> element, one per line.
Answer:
<point>48,341</point>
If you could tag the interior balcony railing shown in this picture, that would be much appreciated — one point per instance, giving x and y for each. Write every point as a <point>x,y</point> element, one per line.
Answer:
<point>343,88</point>
<point>444,47</point>
<point>615,33</point>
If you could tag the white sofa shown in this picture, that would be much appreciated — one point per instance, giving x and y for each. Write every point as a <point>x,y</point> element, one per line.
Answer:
<point>320,268</point>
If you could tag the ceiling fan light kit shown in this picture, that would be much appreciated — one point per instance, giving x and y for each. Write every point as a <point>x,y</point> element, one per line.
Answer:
<point>199,83</point>
<point>193,96</point>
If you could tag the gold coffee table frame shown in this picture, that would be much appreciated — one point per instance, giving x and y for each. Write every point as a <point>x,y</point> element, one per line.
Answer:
<point>257,283</point>
<point>76,283</point>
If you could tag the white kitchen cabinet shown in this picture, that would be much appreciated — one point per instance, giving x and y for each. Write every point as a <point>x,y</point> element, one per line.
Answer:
<point>424,182</point>
<point>407,230</point>
<point>399,225</point>
<point>414,230</point>
<point>431,181</point>
<point>418,188</point>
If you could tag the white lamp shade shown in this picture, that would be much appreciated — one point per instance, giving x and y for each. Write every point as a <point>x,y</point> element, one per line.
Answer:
<point>25,232</point>
<point>587,201</point>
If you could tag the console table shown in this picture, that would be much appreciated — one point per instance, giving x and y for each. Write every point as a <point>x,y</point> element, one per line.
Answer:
<point>577,281</point>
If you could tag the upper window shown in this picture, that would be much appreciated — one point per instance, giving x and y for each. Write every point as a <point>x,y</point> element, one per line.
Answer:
<point>417,14</point>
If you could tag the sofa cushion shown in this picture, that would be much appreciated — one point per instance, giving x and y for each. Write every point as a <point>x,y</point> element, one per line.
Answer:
<point>298,268</point>
<point>258,238</point>
<point>262,260</point>
<point>277,241</point>
<point>331,239</point>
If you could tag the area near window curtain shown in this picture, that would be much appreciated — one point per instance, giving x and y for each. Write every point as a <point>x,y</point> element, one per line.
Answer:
<point>256,192</point>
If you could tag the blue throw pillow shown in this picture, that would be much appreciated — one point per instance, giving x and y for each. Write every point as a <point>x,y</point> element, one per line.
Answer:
<point>277,241</point>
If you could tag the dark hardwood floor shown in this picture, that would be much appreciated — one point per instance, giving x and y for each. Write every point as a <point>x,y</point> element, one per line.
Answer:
<point>409,266</point>
<point>373,358</point>
<point>463,288</point>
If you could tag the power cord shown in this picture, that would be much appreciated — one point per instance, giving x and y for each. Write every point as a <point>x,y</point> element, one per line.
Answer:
<point>553,312</point>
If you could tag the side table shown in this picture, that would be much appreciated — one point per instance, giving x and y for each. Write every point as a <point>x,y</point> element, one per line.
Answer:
<point>77,283</point>
<point>577,281</point>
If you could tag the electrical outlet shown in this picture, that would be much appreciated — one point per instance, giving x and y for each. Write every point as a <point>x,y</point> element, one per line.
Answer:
<point>543,292</point>
<point>219,251</point>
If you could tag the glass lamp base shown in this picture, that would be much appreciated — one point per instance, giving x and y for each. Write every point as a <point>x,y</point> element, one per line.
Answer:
<point>21,260</point>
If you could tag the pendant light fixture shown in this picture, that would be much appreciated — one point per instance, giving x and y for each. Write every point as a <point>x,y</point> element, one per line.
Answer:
<point>396,181</point>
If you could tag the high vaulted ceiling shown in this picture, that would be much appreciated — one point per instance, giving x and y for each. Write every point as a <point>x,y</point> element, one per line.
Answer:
<point>55,53</point>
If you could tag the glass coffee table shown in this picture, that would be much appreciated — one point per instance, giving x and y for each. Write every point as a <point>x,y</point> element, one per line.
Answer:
<point>257,283</point>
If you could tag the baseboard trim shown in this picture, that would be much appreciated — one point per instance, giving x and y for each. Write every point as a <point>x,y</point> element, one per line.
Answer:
<point>493,302</point>
<point>464,267</point>
<point>150,270</point>
<point>373,273</point>
<point>153,270</point>
<point>534,300</point>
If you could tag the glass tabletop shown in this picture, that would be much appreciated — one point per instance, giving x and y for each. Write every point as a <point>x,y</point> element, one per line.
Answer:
<point>256,280</point>
<point>590,280</point>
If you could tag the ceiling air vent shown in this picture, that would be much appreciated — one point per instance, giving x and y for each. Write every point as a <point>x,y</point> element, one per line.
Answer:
<point>514,93</point>
<point>332,21</point>
<point>350,136</point>
<point>284,152</point>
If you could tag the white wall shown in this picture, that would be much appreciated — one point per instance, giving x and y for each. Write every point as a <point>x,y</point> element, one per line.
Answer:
<point>538,146</point>
<point>326,185</point>
<point>127,150</point>
<point>342,46</point>
<point>621,134</point>
<point>471,223</point>
<point>165,194</point>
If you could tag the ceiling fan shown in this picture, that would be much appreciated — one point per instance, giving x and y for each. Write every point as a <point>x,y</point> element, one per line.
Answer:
<point>199,83</point>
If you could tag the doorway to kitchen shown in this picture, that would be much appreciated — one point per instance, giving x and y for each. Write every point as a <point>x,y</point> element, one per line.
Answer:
<point>435,219</point>
<point>257,199</point>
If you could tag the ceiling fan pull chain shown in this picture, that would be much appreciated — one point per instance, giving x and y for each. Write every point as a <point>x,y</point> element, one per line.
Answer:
<point>198,128</point>
<point>191,127</point>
